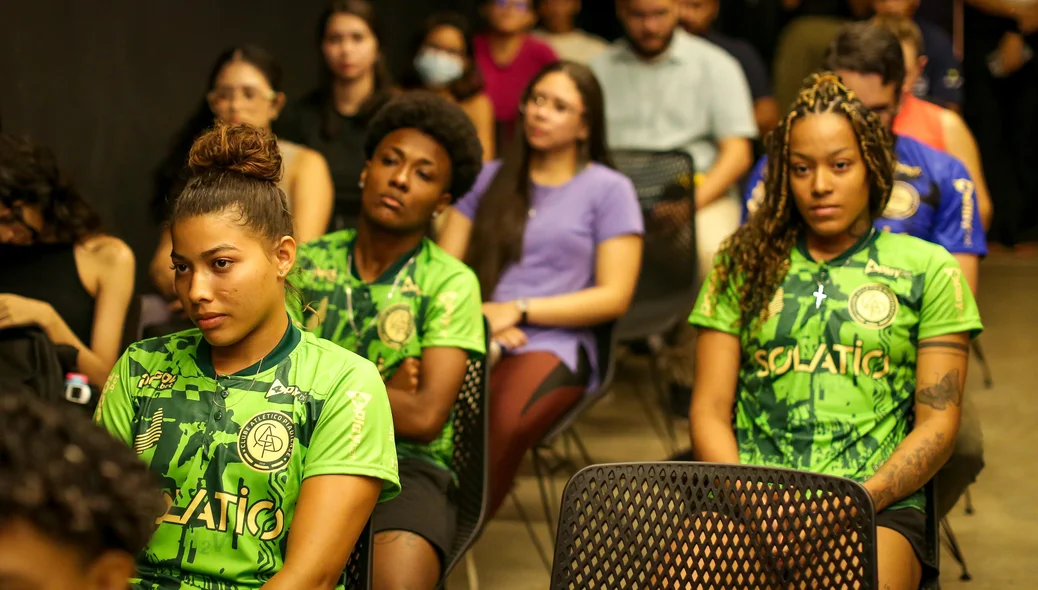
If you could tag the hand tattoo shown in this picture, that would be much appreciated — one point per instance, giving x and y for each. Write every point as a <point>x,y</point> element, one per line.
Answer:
<point>942,394</point>
<point>907,474</point>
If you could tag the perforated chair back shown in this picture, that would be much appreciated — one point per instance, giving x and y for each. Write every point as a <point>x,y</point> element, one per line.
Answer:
<point>357,575</point>
<point>470,463</point>
<point>667,286</point>
<point>712,527</point>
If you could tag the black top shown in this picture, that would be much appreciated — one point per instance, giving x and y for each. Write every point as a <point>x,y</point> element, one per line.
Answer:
<point>301,122</point>
<point>47,272</point>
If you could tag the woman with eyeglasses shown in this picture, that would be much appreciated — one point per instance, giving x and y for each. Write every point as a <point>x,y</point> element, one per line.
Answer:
<point>245,88</point>
<point>333,118</point>
<point>509,57</point>
<point>554,235</point>
<point>60,272</point>
<point>443,62</point>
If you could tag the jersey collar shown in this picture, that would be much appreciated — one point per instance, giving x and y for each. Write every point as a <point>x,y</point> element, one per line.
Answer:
<point>863,242</point>
<point>389,275</point>
<point>279,353</point>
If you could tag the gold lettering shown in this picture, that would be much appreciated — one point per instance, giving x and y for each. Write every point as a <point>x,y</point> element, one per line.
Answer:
<point>882,372</point>
<point>821,352</point>
<point>279,520</point>
<point>254,512</point>
<point>206,516</point>
<point>798,366</point>
<point>225,500</point>
<point>166,517</point>
<point>866,361</point>
<point>239,523</point>
<point>906,170</point>
<point>199,497</point>
<point>828,364</point>
<point>843,350</point>
<point>773,357</point>
<point>857,357</point>
<point>761,356</point>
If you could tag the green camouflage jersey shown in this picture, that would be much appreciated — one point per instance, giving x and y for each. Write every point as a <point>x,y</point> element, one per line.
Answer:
<point>426,299</point>
<point>827,383</point>
<point>233,450</point>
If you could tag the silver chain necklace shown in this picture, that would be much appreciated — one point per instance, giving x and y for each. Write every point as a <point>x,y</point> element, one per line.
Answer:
<point>349,289</point>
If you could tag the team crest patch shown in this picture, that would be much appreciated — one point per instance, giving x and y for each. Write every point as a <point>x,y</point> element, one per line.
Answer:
<point>396,325</point>
<point>903,203</point>
<point>266,441</point>
<point>873,306</point>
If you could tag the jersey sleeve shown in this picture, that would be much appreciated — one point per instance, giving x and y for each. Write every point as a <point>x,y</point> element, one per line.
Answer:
<point>455,315</point>
<point>754,189</point>
<point>717,308</point>
<point>948,304</point>
<point>354,431</point>
<point>116,410</point>
<point>957,224</point>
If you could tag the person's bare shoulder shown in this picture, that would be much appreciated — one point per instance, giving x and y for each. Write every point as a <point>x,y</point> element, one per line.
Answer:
<point>108,251</point>
<point>478,105</point>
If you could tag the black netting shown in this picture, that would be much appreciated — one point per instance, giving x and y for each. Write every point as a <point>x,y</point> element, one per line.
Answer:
<point>711,527</point>
<point>357,575</point>
<point>470,458</point>
<point>667,284</point>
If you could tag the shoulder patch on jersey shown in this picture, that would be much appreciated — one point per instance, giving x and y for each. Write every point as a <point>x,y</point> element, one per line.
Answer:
<point>266,441</point>
<point>874,268</point>
<point>396,325</point>
<point>903,203</point>
<point>873,306</point>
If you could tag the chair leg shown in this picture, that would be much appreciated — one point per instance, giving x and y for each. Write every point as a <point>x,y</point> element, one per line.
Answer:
<point>533,534</point>
<point>660,384</point>
<point>956,551</point>
<point>579,443</point>
<point>654,413</point>
<point>542,483</point>
<point>969,502</point>
<point>470,571</point>
<point>985,369</point>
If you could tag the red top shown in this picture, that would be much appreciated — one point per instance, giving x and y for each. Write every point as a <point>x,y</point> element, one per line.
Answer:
<point>505,83</point>
<point>920,120</point>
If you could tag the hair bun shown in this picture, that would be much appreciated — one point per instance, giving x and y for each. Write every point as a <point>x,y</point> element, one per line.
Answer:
<point>240,148</point>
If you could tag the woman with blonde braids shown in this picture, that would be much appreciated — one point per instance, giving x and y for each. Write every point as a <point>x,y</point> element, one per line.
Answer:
<point>841,349</point>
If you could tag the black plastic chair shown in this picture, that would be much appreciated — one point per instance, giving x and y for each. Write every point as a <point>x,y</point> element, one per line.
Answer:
<point>357,575</point>
<point>470,462</point>
<point>706,525</point>
<point>668,284</point>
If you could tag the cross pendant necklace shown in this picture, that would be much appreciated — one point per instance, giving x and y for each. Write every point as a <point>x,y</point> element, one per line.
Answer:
<point>820,296</point>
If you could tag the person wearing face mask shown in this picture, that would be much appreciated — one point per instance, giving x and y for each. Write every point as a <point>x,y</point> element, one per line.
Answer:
<point>443,62</point>
<point>60,272</point>
<point>332,118</point>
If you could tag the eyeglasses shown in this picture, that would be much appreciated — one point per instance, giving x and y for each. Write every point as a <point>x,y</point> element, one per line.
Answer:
<point>248,94</point>
<point>541,101</point>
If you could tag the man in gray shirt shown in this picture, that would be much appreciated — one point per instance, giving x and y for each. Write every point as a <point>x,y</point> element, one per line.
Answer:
<point>667,90</point>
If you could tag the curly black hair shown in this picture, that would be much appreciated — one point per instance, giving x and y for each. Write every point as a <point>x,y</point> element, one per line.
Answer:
<point>29,174</point>
<point>440,119</point>
<point>71,480</point>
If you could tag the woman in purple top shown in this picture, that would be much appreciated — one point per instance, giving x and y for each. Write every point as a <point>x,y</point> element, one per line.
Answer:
<point>554,235</point>
<point>509,57</point>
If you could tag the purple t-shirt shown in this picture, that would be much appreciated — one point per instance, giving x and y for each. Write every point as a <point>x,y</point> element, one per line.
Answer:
<point>504,84</point>
<point>565,226</point>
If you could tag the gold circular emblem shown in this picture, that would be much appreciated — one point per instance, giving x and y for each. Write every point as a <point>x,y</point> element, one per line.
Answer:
<point>873,306</point>
<point>396,325</point>
<point>903,203</point>
<point>756,197</point>
<point>266,441</point>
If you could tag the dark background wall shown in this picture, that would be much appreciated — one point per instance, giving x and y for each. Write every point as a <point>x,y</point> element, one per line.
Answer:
<point>108,84</point>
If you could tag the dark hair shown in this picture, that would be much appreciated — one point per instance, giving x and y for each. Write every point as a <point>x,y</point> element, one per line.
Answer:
<point>500,220</point>
<point>754,261</point>
<point>904,29</point>
<point>236,167</point>
<point>471,82</point>
<point>382,90</point>
<point>29,173</point>
<point>865,48</point>
<point>440,119</point>
<point>72,481</point>
<point>171,175</point>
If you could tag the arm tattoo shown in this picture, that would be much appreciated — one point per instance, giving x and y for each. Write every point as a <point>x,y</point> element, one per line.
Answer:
<point>909,473</point>
<point>963,348</point>
<point>943,393</point>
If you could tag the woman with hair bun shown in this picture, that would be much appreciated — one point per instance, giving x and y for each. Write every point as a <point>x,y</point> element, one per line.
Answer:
<point>262,434</point>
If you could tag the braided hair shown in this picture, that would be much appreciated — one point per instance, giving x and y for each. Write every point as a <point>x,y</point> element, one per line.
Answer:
<point>754,261</point>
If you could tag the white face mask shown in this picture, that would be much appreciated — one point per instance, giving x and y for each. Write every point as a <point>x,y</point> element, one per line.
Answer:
<point>437,68</point>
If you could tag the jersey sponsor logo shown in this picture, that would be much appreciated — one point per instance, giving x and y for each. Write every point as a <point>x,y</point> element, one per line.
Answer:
<point>159,380</point>
<point>266,441</point>
<point>150,437</point>
<point>448,301</point>
<point>325,274</point>
<point>873,306</point>
<point>874,268</point>
<point>408,286</point>
<point>838,359</point>
<point>396,325</point>
<point>261,518</point>
<point>756,197</point>
<point>965,187</point>
<point>278,388</point>
<point>359,401</point>
<point>903,202</point>
<point>110,384</point>
<point>955,274</point>
<point>906,171</point>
